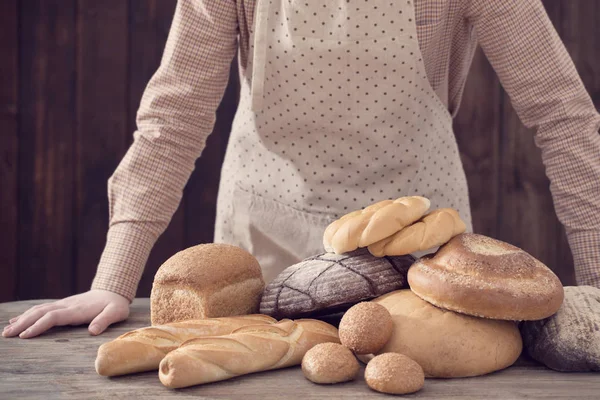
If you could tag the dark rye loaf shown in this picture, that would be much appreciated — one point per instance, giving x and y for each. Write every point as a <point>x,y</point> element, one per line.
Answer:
<point>328,283</point>
<point>570,339</point>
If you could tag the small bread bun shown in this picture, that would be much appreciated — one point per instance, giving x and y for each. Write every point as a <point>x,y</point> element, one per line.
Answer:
<point>366,327</point>
<point>394,373</point>
<point>329,363</point>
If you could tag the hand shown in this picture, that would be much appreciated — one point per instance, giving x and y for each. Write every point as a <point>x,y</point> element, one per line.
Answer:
<point>101,307</point>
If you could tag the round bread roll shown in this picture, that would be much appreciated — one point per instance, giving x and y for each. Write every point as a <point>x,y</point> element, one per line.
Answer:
<point>329,363</point>
<point>206,281</point>
<point>394,373</point>
<point>447,344</point>
<point>366,327</point>
<point>484,277</point>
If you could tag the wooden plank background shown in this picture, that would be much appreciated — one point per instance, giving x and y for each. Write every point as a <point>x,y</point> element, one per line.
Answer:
<point>72,73</point>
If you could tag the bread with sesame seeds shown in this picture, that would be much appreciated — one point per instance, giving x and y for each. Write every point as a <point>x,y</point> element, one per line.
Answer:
<point>484,277</point>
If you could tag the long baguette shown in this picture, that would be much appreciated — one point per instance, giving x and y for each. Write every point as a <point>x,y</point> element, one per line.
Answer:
<point>143,349</point>
<point>247,350</point>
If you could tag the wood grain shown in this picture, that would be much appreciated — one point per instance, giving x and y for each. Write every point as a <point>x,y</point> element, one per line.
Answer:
<point>60,365</point>
<point>46,148</point>
<point>527,215</point>
<point>101,123</point>
<point>148,30</point>
<point>9,71</point>
<point>477,131</point>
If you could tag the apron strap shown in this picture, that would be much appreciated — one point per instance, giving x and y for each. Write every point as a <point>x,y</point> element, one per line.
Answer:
<point>261,28</point>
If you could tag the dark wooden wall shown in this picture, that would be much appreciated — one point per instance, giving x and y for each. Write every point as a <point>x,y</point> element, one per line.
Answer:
<point>71,76</point>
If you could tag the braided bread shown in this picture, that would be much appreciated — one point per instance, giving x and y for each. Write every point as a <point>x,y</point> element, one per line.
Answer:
<point>433,230</point>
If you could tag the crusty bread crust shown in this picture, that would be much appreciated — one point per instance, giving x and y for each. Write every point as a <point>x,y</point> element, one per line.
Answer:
<point>477,275</point>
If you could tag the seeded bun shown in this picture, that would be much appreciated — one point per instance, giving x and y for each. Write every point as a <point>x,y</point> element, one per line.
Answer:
<point>394,373</point>
<point>366,327</point>
<point>329,363</point>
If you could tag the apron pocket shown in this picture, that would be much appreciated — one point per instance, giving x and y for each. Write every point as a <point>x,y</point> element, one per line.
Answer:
<point>276,234</point>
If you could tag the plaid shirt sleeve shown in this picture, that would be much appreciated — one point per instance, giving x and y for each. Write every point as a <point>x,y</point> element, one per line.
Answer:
<point>176,114</point>
<point>545,89</point>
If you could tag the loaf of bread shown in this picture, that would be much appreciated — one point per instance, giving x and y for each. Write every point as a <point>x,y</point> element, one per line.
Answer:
<point>246,350</point>
<point>143,349</point>
<point>362,228</point>
<point>480,276</point>
<point>206,281</point>
<point>447,344</point>
<point>331,283</point>
<point>366,327</point>
<point>431,231</point>
<point>568,341</point>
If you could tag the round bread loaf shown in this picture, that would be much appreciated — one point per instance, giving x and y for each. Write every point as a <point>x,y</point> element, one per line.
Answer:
<point>206,281</point>
<point>329,363</point>
<point>447,344</point>
<point>394,373</point>
<point>484,277</point>
<point>328,283</point>
<point>366,327</point>
<point>570,339</point>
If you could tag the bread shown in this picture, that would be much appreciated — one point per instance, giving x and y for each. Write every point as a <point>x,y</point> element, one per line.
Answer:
<point>206,281</point>
<point>394,373</point>
<point>431,231</point>
<point>484,277</point>
<point>447,344</point>
<point>329,283</point>
<point>364,227</point>
<point>143,349</point>
<point>329,363</point>
<point>246,350</point>
<point>366,327</point>
<point>568,341</point>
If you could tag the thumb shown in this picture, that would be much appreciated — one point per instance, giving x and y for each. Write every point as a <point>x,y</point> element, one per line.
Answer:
<point>109,315</point>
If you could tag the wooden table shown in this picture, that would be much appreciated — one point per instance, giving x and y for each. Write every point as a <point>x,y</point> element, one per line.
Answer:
<point>60,365</point>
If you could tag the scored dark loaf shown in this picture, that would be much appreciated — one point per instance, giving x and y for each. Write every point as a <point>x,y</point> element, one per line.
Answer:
<point>328,283</point>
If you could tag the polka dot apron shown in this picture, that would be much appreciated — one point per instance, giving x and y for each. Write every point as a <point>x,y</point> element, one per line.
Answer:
<point>335,113</point>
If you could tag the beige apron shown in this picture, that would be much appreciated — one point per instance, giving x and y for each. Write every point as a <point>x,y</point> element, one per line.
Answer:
<point>335,113</point>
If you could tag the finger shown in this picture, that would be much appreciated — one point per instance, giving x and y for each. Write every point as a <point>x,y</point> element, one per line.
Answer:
<point>109,315</point>
<point>28,318</point>
<point>50,319</point>
<point>13,320</point>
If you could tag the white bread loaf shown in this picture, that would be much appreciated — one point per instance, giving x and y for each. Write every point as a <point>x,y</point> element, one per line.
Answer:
<point>448,344</point>
<point>364,227</point>
<point>206,281</point>
<point>433,230</point>
<point>246,350</point>
<point>143,349</point>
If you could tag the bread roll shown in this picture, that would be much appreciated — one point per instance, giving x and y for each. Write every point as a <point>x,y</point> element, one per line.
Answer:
<point>484,277</point>
<point>447,344</point>
<point>363,227</point>
<point>143,349</point>
<point>394,373</point>
<point>329,363</point>
<point>366,327</point>
<point>206,281</point>
<point>246,350</point>
<point>431,231</point>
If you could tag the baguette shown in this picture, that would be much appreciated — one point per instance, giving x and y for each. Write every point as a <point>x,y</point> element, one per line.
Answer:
<point>143,349</point>
<point>247,350</point>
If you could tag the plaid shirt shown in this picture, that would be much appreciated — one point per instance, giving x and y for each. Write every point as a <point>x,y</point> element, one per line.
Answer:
<point>177,113</point>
